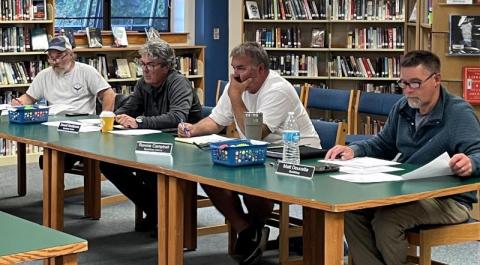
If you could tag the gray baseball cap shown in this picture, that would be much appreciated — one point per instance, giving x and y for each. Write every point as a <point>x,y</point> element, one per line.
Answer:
<point>59,43</point>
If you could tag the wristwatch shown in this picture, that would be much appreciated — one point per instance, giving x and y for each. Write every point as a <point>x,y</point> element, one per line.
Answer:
<point>139,119</point>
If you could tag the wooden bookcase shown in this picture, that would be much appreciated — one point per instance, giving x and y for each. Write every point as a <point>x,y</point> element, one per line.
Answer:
<point>135,40</point>
<point>435,37</point>
<point>19,23</point>
<point>336,34</point>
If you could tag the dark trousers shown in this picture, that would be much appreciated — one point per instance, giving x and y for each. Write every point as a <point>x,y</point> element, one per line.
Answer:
<point>138,185</point>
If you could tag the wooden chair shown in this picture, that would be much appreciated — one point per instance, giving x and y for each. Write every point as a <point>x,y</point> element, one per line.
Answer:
<point>331,134</point>
<point>231,130</point>
<point>426,238</point>
<point>370,105</point>
<point>329,101</point>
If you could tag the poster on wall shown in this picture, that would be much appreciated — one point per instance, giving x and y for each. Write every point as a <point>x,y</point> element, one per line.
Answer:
<point>471,84</point>
<point>464,35</point>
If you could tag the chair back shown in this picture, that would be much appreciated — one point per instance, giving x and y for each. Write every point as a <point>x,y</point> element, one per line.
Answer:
<point>330,133</point>
<point>301,92</point>
<point>221,84</point>
<point>206,110</point>
<point>331,100</point>
<point>373,104</point>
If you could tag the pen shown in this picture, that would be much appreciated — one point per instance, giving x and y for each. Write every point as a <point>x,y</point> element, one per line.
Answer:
<point>18,101</point>
<point>186,131</point>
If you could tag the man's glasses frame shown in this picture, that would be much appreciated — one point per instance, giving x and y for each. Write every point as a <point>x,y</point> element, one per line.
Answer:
<point>59,58</point>
<point>415,84</point>
<point>149,66</point>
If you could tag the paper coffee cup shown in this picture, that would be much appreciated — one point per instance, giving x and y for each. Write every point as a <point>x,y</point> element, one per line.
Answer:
<point>107,118</point>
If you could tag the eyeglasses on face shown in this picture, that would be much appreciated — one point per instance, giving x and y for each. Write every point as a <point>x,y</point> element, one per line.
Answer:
<point>414,84</point>
<point>148,66</point>
<point>56,59</point>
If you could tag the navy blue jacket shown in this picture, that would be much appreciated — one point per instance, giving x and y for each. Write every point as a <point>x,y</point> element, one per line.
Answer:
<point>452,127</point>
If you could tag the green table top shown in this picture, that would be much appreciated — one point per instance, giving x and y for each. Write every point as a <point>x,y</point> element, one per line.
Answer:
<point>20,236</point>
<point>191,163</point>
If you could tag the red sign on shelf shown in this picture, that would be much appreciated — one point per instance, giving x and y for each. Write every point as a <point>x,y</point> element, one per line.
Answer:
<point>471,84</point>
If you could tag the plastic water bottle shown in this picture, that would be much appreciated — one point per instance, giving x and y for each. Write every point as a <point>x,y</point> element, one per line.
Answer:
<point>291,141</point>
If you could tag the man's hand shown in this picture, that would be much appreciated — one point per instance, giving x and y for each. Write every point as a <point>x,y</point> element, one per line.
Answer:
<point>461,165</point>
<point>126,121</point>
<point>340,152</point>
<point>237,87</point>
<point>185,130</point>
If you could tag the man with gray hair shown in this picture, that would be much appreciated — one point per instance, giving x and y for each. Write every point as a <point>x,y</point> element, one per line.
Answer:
<point>161,99</point>
<point>252,88</point>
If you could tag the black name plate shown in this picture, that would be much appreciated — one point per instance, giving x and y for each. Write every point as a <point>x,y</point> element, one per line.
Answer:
<point>154,148</point>
<point>69,127</point>
<point>295,170</point>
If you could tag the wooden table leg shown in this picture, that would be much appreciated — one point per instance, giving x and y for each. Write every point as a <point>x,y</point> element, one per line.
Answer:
<point>170,220</point>
<point>323,237</point>
<point>190,218</point>
<point>92,190</point>
<point>53,186</point>
<point>21,169</point>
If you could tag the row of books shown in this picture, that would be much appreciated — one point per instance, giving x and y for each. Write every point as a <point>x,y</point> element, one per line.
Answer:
<point>20,72</point>
<point>277,37</point>
<point>326,9</point>
<point>376,38</point>
<point>286,9</point>
<point>392,88</point>
<point>350,66</point>
<point>367,10</point>
<point>125,68</point>
<point>23,9</point>
<point>295,65</point>
<point>94,37</point>
<point>22,39</point>
<point>188,65</point>
<point>373,126</point>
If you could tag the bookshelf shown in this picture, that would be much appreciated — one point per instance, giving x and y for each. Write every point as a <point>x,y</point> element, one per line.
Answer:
<point>433,34</point>
<point>355,49</point>
<point>178,41</point>
<point>18,61</point>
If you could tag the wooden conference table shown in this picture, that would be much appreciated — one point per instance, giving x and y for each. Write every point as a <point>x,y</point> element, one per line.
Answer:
<point>324,199</point>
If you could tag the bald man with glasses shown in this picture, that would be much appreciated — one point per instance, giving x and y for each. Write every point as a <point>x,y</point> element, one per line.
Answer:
<point>427,122</point>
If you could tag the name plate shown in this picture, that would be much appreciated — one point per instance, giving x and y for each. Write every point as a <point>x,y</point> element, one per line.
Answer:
<point>69,127</point>
<point>154,148</point>
<point>295,170</point>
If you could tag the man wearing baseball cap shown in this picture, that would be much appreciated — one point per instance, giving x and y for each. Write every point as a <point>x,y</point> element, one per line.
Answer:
<point>68,82</point>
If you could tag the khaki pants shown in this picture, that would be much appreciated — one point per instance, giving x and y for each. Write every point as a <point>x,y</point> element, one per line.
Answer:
<point>377,236</point>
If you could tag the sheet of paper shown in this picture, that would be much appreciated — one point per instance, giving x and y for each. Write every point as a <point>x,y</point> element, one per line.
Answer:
<point>361,162</point>
<point>135,132</point>
<point>59,108</point>
<point>5,106</point>
<point>205,139</point>
<point>83,127</point>
<point>367,178</point>
<point>94,122</point>
<point>437,167</point>
<point>368,170</point>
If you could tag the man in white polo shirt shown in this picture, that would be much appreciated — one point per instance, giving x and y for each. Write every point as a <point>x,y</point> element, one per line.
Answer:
<point>252,88</point>
<point>68,82</point>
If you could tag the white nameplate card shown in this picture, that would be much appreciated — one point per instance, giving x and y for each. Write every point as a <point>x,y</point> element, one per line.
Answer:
<point>154,148</point>
<point>295,170</point>
<point>69,127</point>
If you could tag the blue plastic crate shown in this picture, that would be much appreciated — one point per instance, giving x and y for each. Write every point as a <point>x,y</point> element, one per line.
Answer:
<point>238,153</point>
<point>28,114</point>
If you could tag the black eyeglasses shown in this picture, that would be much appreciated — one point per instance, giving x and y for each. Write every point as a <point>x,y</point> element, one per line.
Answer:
<point>59,58</point>
<point>148,66</point>
<point>414,84</point>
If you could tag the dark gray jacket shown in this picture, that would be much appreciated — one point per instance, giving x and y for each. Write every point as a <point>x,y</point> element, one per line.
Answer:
<point>166,106</point>
<point>452,127</point>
